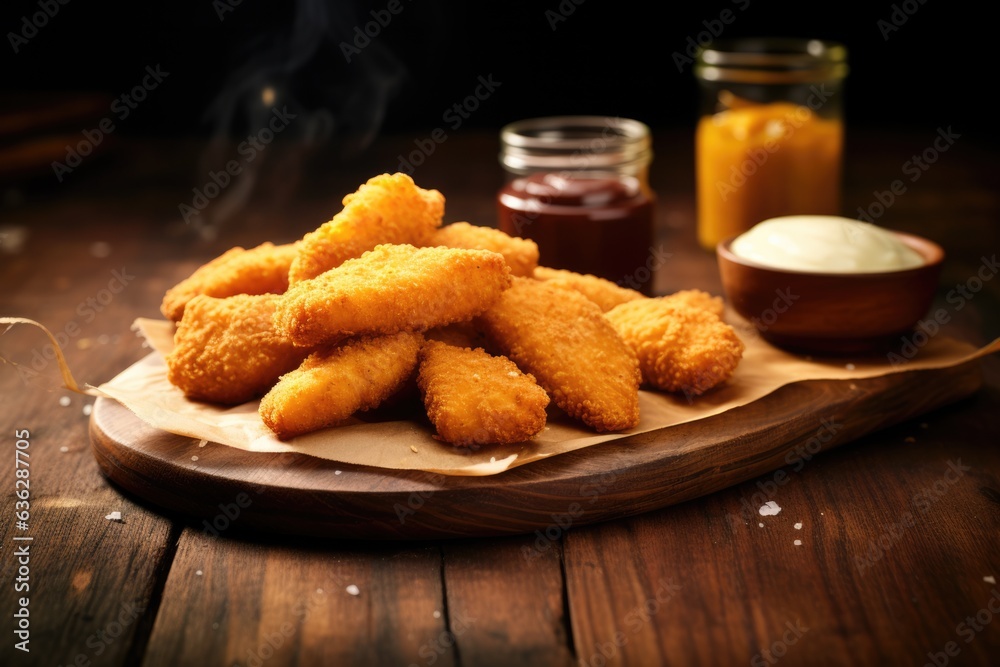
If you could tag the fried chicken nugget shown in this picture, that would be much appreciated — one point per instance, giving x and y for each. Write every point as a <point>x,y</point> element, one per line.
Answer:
<point>566,343</point>
<point>473,398</point>
<point>699,300</point>
<point>521,254</point>
<point>389,208</point>
<point>392,288</point>
<point>227,351</point>
<point>336,382</point>
<point>681,348</point>
<point>260,270</point>
<point>601,291</point>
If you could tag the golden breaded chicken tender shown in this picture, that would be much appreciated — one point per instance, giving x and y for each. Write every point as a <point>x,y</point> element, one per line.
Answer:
<point>680,348</point>
<point>699,300</point>
<point>260,270</point>
<point>566,343</point>
<point>521,254</point>
<point>601,291</point>
<point>227,350</point>
<point>392,288</point>
<point>336,382</point>
<point>473,398</point>
<point>389,208</point>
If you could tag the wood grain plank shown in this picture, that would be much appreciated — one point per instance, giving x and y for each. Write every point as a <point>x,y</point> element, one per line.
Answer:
<point>506,602</point>
<point>239,601</point>
<point>94,583</point>
<point>650,470</point>
<point>898,530</point>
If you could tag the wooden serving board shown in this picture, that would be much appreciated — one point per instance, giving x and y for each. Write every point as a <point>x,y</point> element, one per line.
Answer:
<point>229,489</point>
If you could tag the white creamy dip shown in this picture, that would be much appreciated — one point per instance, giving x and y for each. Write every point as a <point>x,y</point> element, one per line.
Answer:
<point>824,243</point>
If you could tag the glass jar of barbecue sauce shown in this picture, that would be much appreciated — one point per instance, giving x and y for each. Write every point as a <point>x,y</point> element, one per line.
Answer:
<point>579,187</point>
<point>770,136</point>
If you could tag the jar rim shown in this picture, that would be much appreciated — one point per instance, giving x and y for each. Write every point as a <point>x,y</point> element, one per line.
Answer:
<point>576,143</point>
<point>573,132</point>
<point>771,59</point>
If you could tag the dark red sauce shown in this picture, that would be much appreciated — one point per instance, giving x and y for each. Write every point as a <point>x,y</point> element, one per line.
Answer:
<point>598,224</point>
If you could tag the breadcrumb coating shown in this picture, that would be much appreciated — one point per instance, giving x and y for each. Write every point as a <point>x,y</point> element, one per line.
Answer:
<point>699,300</point>
<point>227,350</point>
<point>473,398</point>
<point>336,382</point>
<point>389,208</point>
<point>521,254</point>
<point>389,289</point>
<point>601,291</point>
<point>562,339</point>
<point>681,348</point>
<point>260,270</point>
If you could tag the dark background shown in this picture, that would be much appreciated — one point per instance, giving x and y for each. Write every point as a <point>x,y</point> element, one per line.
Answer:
<point>607,57</point>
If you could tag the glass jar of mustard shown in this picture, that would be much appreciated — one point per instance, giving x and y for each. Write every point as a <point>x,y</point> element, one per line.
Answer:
<point>769,140</point>
<point>579,187</point>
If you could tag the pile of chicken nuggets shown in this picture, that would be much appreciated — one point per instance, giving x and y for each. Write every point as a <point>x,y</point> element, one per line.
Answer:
<point>383,301</point>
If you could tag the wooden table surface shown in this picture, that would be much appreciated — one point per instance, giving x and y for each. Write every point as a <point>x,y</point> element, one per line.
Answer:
<point>899,530</point>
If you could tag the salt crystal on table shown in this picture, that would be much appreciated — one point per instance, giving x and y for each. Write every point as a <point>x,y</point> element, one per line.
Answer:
<point>761,524</point>
<point>990,579</point>
<point>114,516</point>
<point>336,472</point>
<point>797,543</point>
<point>64,401</point>
<point>198,572</point>
<point>87,409</point>
<point>798,525</point>
<point>437,614</point>
<point>353,590</point>
<point>64,449</point>
<point>770,508</point>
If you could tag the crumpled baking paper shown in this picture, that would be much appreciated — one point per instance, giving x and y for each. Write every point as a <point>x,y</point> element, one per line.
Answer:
<point>408,444</point>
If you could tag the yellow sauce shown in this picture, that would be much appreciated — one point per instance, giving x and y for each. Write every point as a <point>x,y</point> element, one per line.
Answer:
<point>825,244</point>
<point>760,161</point>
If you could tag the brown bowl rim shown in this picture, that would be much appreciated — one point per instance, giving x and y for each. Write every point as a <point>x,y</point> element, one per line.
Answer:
<point>931,251</point>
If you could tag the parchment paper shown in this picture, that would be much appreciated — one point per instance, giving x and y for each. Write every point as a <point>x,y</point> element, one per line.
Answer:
<point>410,445</point>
